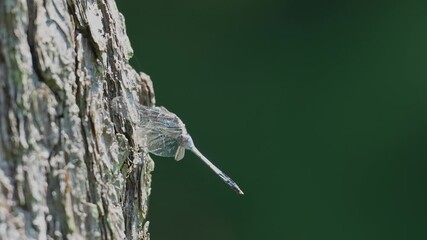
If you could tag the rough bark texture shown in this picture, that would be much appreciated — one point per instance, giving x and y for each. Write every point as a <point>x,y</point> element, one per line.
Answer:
<point>68,170</point>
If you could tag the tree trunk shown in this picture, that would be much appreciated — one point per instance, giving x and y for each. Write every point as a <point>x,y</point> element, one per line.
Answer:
<point>68,169</point>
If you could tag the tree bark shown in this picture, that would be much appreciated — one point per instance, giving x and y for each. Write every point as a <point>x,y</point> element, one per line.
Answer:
<point>68,169</point>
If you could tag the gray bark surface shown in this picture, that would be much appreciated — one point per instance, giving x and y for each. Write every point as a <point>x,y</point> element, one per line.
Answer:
<point>68,168</point>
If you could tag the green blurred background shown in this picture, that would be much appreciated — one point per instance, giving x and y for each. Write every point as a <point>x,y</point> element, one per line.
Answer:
<point>318,109</point>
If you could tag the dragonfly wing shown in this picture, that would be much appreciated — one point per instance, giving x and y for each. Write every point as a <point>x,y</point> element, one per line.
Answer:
<point>160,131</point>
<point>161,144</point>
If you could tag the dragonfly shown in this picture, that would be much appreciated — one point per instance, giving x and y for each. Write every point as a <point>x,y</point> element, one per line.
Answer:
<point>164,134</point>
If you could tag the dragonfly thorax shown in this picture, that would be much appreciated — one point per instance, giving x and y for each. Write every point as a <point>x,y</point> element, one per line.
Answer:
<point>186,141</point>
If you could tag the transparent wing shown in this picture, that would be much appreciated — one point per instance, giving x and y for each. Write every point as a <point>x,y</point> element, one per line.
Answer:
<point>161,119</point>
<point>160,129</point>
<point>161,144</point>
<point>146,117</point>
